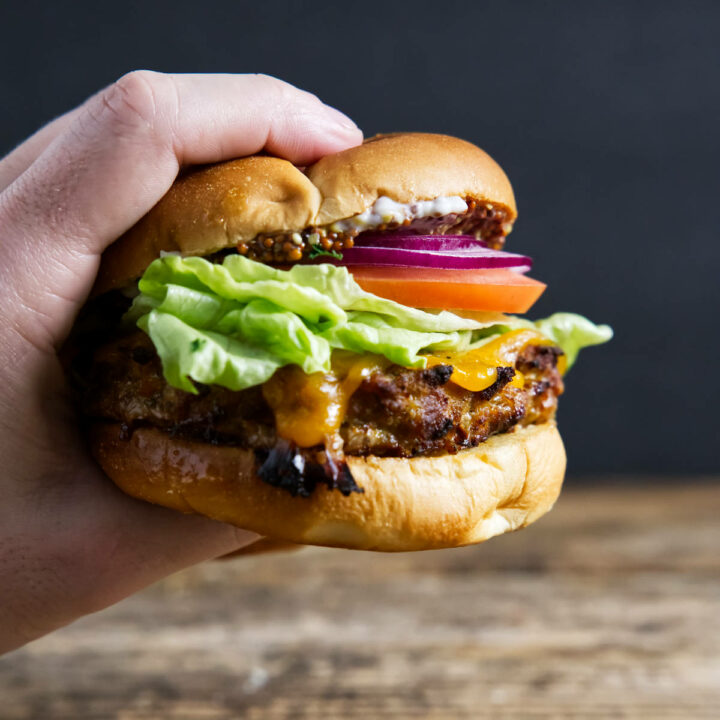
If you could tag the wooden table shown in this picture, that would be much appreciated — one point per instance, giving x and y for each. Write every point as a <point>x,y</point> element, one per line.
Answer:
<point>608,608</point>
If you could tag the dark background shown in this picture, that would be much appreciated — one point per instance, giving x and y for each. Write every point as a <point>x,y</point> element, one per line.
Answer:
<point>606,117</point>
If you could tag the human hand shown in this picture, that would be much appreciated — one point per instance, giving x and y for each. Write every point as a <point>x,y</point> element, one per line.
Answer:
<point>70,542</point>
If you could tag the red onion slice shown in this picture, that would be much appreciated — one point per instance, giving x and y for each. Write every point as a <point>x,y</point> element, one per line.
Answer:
<point>460,252</point>
<point>418,242</point>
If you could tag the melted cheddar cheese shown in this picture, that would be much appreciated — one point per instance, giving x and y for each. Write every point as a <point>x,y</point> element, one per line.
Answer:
<point>309,409</point>
<point>477,369</point>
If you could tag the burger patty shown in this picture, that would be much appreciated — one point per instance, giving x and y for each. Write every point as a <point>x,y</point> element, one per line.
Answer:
<point>395,411</point>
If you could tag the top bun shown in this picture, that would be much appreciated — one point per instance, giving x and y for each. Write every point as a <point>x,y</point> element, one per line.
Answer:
<point>407,167</point>
<point>212,208</point>
<point>217,206</point>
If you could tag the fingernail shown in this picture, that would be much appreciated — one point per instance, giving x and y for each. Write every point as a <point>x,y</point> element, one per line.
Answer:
<point>340,118</point>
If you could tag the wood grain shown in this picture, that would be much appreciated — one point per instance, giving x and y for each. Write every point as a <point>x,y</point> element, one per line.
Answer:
<point>607,608</point>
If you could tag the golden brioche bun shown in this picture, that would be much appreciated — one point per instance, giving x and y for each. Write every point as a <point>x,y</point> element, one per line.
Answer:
<point>407,504</point>
<point>407,167</point>
<point>210,209</point>
<point>216,207</point>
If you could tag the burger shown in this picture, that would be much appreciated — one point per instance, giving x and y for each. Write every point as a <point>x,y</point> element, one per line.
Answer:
<point>331,355</point>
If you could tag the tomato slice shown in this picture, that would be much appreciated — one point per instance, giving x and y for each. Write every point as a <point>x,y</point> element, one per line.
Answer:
<point>498,289</point>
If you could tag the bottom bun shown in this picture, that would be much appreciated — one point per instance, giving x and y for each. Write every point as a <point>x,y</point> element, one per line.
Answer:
<point>421,503</point>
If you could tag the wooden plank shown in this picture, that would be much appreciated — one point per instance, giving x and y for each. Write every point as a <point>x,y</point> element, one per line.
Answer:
<point>608,608</point>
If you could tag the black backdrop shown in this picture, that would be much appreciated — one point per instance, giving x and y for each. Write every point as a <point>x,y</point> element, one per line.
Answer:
<point>606,117</point>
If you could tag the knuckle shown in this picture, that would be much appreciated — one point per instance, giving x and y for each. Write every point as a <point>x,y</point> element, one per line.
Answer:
<point>131,99</point>
<point>269,80</point>
<point>287,93</point>
<point>39,206</point>
<point>295,97</point>
<point>138,100</point>
<point>16,206</point>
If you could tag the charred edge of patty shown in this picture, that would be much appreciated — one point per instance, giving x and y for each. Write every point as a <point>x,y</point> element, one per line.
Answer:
<point>504,376</point>
<point>287,467</point>
<point>438,375</point>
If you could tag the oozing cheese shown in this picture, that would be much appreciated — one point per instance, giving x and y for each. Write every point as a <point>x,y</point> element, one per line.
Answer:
<point>477,370</point>
<point>309,409</point>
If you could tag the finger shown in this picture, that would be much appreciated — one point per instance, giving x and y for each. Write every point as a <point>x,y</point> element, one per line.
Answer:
<point>121,154</point>
<point>146,543</point>
<point>19,160</point>
<point>105,547</point>
<point>262,546</point>
<point>130,139</point>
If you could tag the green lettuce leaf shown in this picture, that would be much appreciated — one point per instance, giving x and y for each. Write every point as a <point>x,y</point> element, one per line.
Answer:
<point>573,333</point>
<point>205,356</point>
<point>234,324</point>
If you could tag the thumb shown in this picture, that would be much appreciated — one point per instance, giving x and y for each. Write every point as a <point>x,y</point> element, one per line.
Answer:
<point>117,158</point>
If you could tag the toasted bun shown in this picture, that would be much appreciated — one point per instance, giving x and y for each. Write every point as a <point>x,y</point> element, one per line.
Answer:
<point>416,504</point>
<point>210,209</point>
<point>218,206</point>
<point>407,167</point>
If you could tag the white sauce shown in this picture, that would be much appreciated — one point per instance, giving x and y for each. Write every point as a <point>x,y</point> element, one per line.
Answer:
<point>384,210</point>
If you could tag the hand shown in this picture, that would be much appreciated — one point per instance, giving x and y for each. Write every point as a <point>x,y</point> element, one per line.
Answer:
<point>70,542</point>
